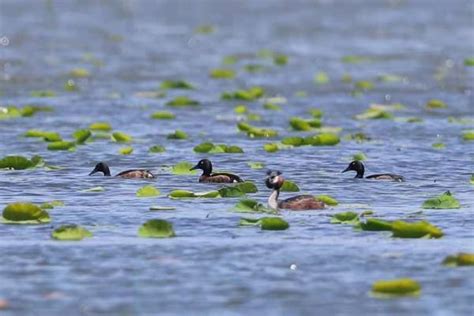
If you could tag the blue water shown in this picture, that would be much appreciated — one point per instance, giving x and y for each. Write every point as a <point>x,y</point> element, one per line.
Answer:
<point>214,267</point>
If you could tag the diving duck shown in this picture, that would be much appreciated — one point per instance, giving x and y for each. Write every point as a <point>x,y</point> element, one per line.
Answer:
<point>208,177</point>
<point>358,167</point>
<point>129,174</point>
<point>300,202</point>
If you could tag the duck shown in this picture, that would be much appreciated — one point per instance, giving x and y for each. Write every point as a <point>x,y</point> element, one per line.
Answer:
<point>208,177</point>
<point>275,181</point>
<point>358,167</point>
<point>129,174</point>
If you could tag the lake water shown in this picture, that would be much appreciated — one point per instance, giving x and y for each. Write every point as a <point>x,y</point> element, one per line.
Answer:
<point>214,267</point>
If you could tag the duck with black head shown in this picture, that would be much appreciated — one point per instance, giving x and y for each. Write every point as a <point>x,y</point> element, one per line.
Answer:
<point>359,168</point>
<point>208,176</point>
<point>275,181</point>
<point>129,174</point>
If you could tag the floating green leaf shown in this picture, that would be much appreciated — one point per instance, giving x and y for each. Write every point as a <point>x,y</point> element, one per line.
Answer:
<point>100,126</point>
<point>51,204</point>
<point>47,136</point>
<point>271,106</point>
<point>364,85</point>
<point>359,156</point>
<point>222,73</point>
<point>266,223</point>
<point>240,109</point>
<point>126,150</point>
<point>253,131</point>
<point>300,124</point>
<point>459,260</point>
<point>20,162</point>
<point>62,145</point>
<point>373,224</point>
<point>230,60</point>
<point>43,93</point>
<point>181,101</point>
<point>148,191</point>
<point>355,59</point>
<point>70,232</point>
<point>397,287</point>
<point>328,200</point>
<point>468,135</point>
<point>183,194</point>
<point>469,61</point>
<point>247,187</point>
<point>156,149</point>
<point>444,201</point>
<point>349,218</point>
<point>231,191</point>
<point>178,134</point>
<point>79,73</point>
<point>81,135</point>
<point>163,115</point>
<point>221,148</point>
<point>321,78</point>
<point>471,181</point>
<point>271,147</point>
<point>252,206</point>
<point>204,29</point>
<point>438,145</point>
<point>156,228</point>
<point>175,84</point>
<point>24,213</point>
<point>323,139</point>
<point>289,186</point>
<point>280,59</point>
<point>373,114</point>
<point>435,104</point>
<point>253,68</point>
<point>250,94</point>
<point>259,165</point>
<point>120,137</point>
<point>182,168</point>
<point>71,86</point>
<point>415,230</point>
<point>293,141</point>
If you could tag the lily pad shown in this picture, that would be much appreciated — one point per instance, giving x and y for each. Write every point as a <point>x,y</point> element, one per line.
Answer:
<point>271,147</point>
<point>221,148</point>
<point>181,101</point>
<point>163,115</point>
<point>374,114</point>
<point>178,134</point>
<point>156,228</point>
<point>148,191</point>
<point>435,104</point>
<point>222,73</point>
<point>81,135</point>
<point>328,200</point>
<point>280,59</point>
<point>247,187</point>
<point>321,78</point>
<point>349,218</point>
<point>100,126</point>
<point>70,232</point>
<point>62,145</point>
<point>469,62</point>
<point>271,106</point>
<point>459,260</point>
<point>415,230</point>
<point>183,194</point>
<point>51,204</point>
<point>230,192</point>
<point>364,85</point>
<point>397,287</point>
<point>126,150</point>
<point>261,165</point>
<point>444,201</point>
<point>182,168</point>
<point>438,145</point>
<point>175,84</point>
<point>204,29</point>
<point>373,224</point>
<point>240,109</point>
<point>250,94</point>
<point>468,135</point>
<point>46,135</point>
<point>323,139</point>
<point>20,162</point>
<point>359,156</point>
<point>266,223</point>
<point>355,59</point>
<point>79,73</point>
<point>120,137</point>
<point>156,149</point>
<point>256,132</point>
<point>289,186</point>
<point>43,93</point>
<point>252,206</point>
<point>300,124</point>
<point>24,213</point>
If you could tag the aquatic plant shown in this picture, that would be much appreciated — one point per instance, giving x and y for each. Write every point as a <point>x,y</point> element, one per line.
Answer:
<point>100,126</point>
<point>70,233</point>
<point>222,73</point>
<point>289,186</point>
<point>420,229</point>
<point>176,84</point>
<point>253,131</point>
<point>178,134</point>
<point>46,135</point>
<point>443,201</point>
<point>266,223</point>
<point>349,218</point>
<point>126,150</point>
<point>62,145</point>
<point>300,124</point>
<point>81,135</point>
<point>182,168</point>
<point>459,260</point>
<point>374,224</point>
<point>271,147</point>
<point>468,135</point>
<point>20,162</point>
<point>249,94</point>
<point>24,213</point>
<point>182,101</point>
<point>156,149</point>
<point>219,148</point>
<point>147,191</point>
<point>328,200</point>
<point>185,194</point>
<point>156,228</point>
<point>259,165</point>
<point>79,73</point>
<point>435,104</point>
<point>120,137</point>
<point>396,287</point>
<point>163,115</point>
<point>252,206</point>
<point>359,156</point>
<point>321,78</point>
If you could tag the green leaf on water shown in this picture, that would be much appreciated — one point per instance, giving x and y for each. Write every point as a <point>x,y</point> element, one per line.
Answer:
<point>293,141</point>
<point>469,62</point>
<point>323,139</point>
<point>271,147</point>
<point>24,213</point>
<point>120,137</point>
<point>438,145</point>
<point>328,200</point>
<point>43,93</point>
<point>468,135</point>
<point>299,124</point>
<point>435,104</point>
<point>256,132</point>
<point>459,260</point>
<point>47,136</point>
<point>182,168</point>
<point>247,187</point>
<point>280,59</point>
<point>230,192</point>
<point>183,194</point>
<point>178,134</point>
<point>250,94</point>
<point>62,145</point>
<point>71,86</point>
<point>359,156</point>
<point>256,164</point>
<point>364,85</point>
<point>81,135</point>
<point>444,201</point>
<point>397,287</point>
<point>148,191</point>
<point>349,218</point>
<point>471,181</point>
<point>175,84</point>
<point>156,228</point>
<point>271,106</point>
<point>126,150</point>
<point>373,114</point>
<point>221,148</point>
<point>321,78</point>
<point>70,232</point>
<point>273,223</point>
<point>373,224</point>
<point>163,115</point>
<point>20,162</point>
<point>355,59</point>
<point>415,230</point>
<point>156,149</point>
<point>252,206</point>
<point>204,29</point>
<point>51,204</point>
<point>240,109</point>
<point>101,126</point>
<point>182,101</point>
<point>79,73</point>
<point>289,186</point>
<point>222,73</point>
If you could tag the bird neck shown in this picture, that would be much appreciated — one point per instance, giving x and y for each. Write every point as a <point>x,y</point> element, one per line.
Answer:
<point>360,172</point>
<point>106,171</point>
<point>273,199</point>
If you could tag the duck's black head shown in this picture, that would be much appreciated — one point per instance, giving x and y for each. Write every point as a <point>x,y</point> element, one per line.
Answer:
<point>356,166</point>
<point>274,179</point>
<point>205,165</point>
<point>101,167</point>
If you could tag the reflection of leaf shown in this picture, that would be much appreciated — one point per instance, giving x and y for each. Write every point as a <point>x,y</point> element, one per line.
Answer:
<point>444,201</point>
<point>156,228</point>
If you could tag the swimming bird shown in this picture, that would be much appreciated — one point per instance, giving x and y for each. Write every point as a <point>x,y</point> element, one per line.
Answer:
<point>275,181</point>
<point>207,176</point>
<point>129,174</point>
<point>358,167</point>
